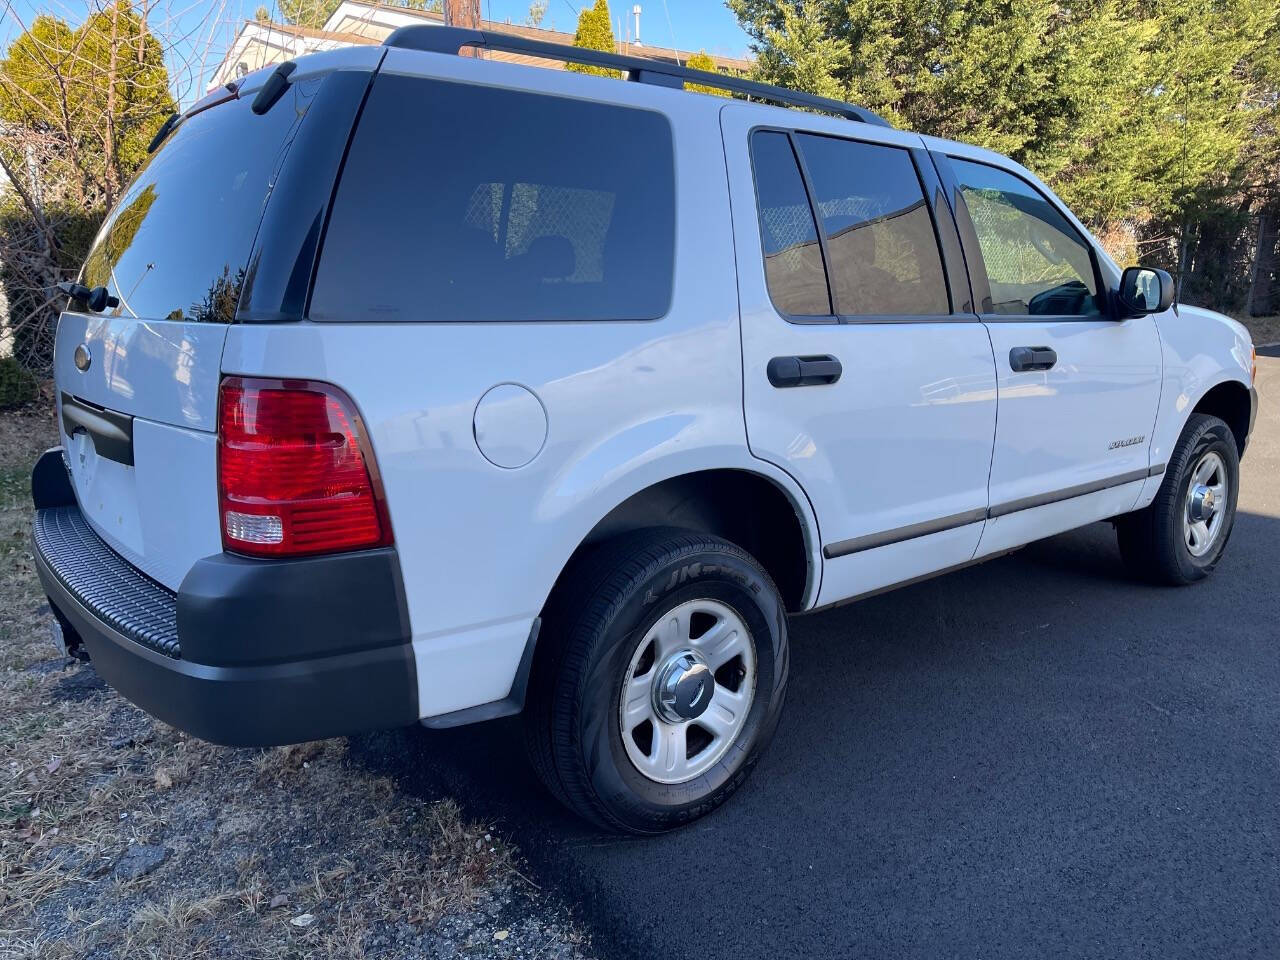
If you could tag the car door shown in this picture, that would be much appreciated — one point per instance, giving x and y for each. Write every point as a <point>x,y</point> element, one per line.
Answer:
<point>1078,389</point>
<point>864,376</point>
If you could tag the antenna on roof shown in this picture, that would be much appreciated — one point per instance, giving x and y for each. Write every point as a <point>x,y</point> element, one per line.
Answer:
<point>635,12</point>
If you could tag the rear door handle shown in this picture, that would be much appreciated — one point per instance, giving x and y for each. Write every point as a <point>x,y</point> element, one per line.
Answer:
<point>112,432</point>
<point>803,371</point>
<point>1022,359</point>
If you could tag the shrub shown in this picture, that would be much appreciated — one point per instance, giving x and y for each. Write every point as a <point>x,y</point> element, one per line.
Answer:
<point>17,384</point>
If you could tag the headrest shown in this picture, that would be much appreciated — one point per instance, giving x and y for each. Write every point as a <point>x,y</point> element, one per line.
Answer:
<point>550,257</point>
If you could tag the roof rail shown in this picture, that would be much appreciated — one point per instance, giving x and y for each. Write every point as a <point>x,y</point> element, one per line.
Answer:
<point>434,39</point>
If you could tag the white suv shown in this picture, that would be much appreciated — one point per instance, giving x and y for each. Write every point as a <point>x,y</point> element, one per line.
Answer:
<point>407,386</point>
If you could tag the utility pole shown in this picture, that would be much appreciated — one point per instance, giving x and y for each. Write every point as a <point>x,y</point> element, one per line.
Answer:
<point>463,13</point>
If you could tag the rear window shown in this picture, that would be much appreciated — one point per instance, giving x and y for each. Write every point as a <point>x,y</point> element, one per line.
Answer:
<point>793,268</point>
<point>176,245</point>
<point>470,203</point>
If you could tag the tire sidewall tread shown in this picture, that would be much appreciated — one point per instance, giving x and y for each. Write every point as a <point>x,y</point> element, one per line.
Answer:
<point>1151,539</point>
<point>596,620</point>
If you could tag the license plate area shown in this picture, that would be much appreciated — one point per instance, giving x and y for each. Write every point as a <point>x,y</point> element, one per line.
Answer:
<point>111,432</point>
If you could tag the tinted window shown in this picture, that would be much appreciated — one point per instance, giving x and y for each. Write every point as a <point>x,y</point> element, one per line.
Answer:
<point>883,251</point>
<point>792,257</point>
<point>463,202</point>
<point>1035,260</point>
<point>176,244</point>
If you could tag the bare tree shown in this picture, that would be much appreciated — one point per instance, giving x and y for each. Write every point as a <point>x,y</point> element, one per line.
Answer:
<point>83,88</point>
<point>537,13</point>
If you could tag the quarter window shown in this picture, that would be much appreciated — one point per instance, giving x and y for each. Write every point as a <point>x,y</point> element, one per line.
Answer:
<point>471,203</point>
<point>1035,260</point>
<point>882,249</point>
<point>792,256</point>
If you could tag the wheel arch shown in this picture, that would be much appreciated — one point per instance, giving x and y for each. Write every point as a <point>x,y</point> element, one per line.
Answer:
<point>755,511</point>
<point>1229,401</point>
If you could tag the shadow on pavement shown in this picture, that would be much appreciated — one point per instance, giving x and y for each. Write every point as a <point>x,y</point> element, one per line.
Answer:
<point>1033,757</point>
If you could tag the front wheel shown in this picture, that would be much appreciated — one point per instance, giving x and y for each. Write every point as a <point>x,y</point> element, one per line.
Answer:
<point>662,682</point>
<point>1180,537</point>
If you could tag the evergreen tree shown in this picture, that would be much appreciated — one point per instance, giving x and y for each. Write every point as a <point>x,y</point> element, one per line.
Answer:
<point>316,13</point>
<point>702,61</point>
<point>595,32</point>
<point>84,102</point>
<point>308,13</point>
<point>1133,110</point>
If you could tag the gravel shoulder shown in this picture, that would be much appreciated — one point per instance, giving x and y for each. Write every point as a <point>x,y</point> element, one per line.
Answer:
<point>122,837</point>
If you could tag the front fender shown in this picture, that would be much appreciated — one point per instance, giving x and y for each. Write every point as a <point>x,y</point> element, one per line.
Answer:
<point>1201,350</point>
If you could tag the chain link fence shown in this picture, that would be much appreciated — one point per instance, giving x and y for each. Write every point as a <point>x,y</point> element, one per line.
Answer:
<point>29,306</point>
<point>28,317</point>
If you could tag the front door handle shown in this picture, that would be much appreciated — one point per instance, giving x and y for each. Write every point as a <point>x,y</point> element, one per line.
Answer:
<point>1022,359</point>
<point>803,371</point>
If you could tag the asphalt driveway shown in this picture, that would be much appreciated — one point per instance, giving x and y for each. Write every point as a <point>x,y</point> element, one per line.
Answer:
<point>1036,757</point>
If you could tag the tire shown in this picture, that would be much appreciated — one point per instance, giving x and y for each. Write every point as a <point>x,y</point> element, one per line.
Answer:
<point>1154,541</point>
<point>607,631</point>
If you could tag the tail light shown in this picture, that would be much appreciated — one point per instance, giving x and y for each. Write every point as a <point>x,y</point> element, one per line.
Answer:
<point>294,473</point>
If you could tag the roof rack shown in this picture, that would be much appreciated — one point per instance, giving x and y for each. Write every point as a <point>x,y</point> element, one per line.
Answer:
<point>435,39</point>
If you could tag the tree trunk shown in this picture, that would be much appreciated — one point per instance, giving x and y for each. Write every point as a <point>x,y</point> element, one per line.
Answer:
<point>463,13</point>
<point>144,18</point>
<point>1182,256</point>
<point>1258,254</point>
<point>109,139</point>
<point>1265,296</point>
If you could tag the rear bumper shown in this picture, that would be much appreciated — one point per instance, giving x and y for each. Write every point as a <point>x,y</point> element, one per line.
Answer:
<point>247,652</point>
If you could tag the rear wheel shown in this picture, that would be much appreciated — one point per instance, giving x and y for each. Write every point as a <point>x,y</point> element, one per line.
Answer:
<point>1180,537</point>
<point>662,680</point>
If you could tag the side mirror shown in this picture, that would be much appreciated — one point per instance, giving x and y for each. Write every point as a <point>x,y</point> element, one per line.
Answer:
<point>1145,290</point>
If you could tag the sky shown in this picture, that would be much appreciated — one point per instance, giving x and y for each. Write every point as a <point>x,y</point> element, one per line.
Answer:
<point>693,24</point>
<point>206,27</point>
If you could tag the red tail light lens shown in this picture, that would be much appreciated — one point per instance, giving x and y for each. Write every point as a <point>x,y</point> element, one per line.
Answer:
<point>294,476</point>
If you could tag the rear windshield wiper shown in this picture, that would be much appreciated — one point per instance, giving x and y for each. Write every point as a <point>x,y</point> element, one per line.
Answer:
<point>228,91</point>
<point>165,129</point>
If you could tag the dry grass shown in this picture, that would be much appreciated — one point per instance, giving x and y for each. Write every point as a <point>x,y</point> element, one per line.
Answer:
<point>289,852</point>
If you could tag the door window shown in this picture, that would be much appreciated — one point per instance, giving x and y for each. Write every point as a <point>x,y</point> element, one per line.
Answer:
<point>792,256</point>
<point>1036,261</point>
<point>882,249</point>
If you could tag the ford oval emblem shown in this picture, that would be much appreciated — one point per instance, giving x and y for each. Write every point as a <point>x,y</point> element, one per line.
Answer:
<point>82,357</point>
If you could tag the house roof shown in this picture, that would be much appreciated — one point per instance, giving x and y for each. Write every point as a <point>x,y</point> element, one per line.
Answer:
<point>667,54</point>
<point>366,22</point>
<point>296,30</point>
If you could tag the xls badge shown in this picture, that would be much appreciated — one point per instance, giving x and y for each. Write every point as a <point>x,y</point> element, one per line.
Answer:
<point>1130,442</point>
